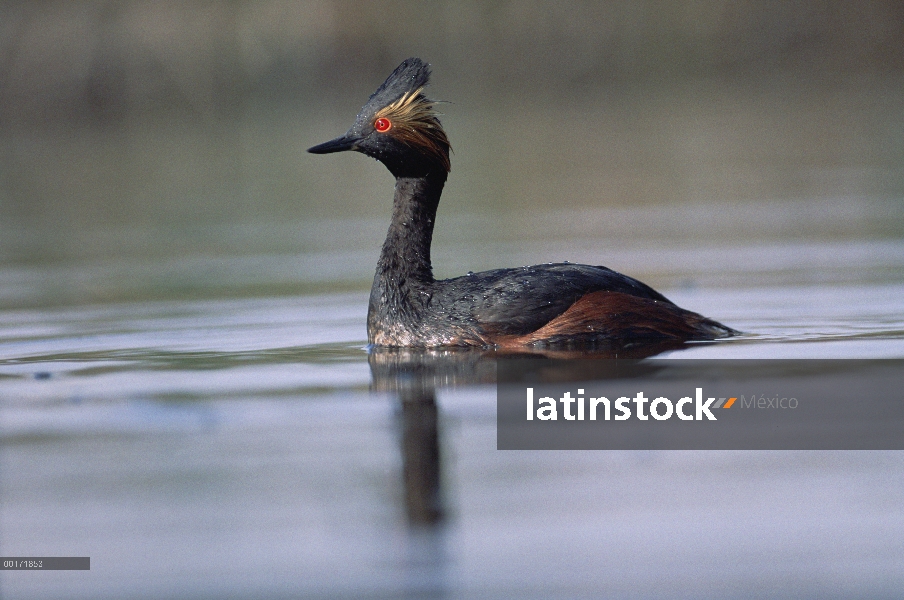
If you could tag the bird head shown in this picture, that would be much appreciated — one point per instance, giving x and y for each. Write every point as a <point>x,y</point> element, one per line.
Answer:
<point>398,126</point>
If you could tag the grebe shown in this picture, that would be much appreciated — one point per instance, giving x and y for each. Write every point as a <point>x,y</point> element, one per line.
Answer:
<point>556,304</point>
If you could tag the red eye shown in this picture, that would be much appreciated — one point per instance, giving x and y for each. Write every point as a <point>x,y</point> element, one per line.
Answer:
<point>382,125</point>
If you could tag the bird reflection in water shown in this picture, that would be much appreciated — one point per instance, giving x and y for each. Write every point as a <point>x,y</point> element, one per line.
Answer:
<point>415,375</point>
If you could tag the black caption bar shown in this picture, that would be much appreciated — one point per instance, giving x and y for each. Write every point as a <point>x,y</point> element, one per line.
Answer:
<point>45,563</point>
<point>700,404</point>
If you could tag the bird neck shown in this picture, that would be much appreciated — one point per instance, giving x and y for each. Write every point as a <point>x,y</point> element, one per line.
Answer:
<point>404,274</point>
<point>406,251</point>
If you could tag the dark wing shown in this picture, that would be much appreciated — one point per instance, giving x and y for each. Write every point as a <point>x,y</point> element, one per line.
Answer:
<point>519,301</point>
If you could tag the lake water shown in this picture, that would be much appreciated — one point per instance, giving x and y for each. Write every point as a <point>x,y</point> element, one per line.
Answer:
<point>186,396</point>
<point>245,447</point>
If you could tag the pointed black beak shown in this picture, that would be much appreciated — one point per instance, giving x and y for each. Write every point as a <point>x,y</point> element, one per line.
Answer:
<point>345,142</point>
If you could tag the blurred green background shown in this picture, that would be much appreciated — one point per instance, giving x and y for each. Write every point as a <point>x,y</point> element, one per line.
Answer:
<point>179,129</point>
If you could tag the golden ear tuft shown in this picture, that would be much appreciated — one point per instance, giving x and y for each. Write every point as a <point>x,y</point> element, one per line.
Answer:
<point>414,122</point>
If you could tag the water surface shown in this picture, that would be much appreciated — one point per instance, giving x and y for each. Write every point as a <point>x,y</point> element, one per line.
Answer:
<point>241,446</point>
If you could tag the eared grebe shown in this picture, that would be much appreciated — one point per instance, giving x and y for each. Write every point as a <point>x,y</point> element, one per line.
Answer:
<point>544,305</point>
